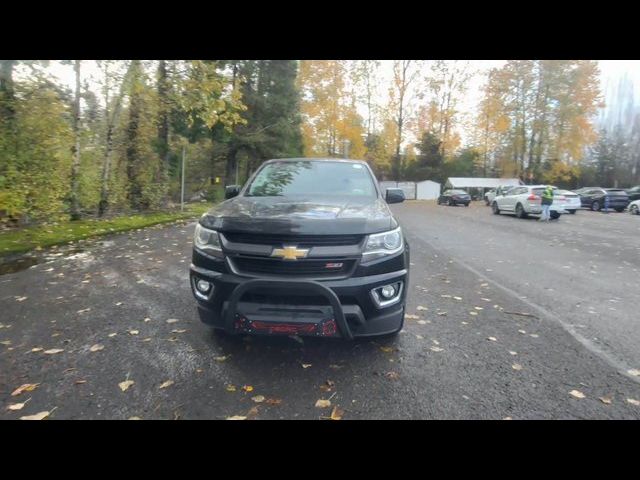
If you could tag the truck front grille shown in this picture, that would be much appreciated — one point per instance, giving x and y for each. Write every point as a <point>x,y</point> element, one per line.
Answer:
<point>298,240</point>
<point>302,268</point>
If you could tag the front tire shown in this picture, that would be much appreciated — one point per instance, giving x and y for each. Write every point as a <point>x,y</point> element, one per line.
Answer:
<point>554,215</point>
<point>495,209</point>
<point>595,206</point>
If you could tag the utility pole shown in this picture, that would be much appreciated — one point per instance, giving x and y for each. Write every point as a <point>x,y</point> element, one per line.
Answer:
<point>182,181</point>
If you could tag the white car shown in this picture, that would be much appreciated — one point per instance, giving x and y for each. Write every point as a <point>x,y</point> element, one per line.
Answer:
<point>572,200</point>
<point>634,207</point>
<point>490,196</point>
<point>527,200</point>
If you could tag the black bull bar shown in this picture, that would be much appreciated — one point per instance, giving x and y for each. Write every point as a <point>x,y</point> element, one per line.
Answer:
<point>231,309</point>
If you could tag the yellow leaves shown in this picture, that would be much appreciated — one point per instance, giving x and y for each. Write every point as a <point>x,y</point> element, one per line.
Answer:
<point>27,387</point>
<point>605,400</point>
<point>53,351</point>
<point>17,406</point>
<point>221,358</point>
<point>247,388</point>
<point>96,348</point>
<point>323,403</point>
<point>230,388</point>
<point>166,384</point>
<point>124,386</point>
<point>258,398</point>
<point>516,366</point>
<point>305,365</point>
<point>633,401</point>
<point>37,416</point>
<point>577,394</point>
<point>336,413</point>
<point>237,417</point>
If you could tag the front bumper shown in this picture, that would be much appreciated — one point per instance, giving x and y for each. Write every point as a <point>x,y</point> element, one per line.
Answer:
<point>240,304</point>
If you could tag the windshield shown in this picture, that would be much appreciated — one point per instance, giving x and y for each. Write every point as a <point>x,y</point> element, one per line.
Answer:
<point>459,192</point>
<point>312,177</point>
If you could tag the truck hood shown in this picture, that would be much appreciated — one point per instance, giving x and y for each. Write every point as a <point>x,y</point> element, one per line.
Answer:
<point>301,215</point>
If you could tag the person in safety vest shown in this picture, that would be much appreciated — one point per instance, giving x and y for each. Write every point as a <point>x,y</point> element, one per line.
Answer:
<point>547,200</point>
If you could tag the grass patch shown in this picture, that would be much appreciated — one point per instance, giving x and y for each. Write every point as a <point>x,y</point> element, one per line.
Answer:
<point>41,236</point>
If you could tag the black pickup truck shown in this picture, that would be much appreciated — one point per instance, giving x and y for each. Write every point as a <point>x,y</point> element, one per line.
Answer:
<point>306,247</point>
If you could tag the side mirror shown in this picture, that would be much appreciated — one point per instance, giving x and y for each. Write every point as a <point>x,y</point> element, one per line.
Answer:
<point>394,195</point>
<point>231,191</point>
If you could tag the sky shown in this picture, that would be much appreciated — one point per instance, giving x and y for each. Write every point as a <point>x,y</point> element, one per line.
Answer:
<point>611,72</point>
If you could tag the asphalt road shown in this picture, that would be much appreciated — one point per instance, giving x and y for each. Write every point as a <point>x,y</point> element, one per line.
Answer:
<point>464,356</point>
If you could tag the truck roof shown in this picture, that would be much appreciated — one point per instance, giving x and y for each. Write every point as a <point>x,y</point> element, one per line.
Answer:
<point>315,159</point>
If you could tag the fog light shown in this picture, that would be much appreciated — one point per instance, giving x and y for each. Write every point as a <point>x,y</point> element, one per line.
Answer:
<point>388,291</point>
<point>203,286</point>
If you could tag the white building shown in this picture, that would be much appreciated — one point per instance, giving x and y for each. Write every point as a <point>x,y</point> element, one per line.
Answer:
<point>427,190</point>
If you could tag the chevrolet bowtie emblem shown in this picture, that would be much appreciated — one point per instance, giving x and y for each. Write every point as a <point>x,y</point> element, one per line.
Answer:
<point>290,253</point>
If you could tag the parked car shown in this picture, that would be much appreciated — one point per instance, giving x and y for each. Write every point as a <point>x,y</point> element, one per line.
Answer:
<point>571,199</point>
<point>306,247</point>
<point>634,207</point>
<point>454,197</point>
<point>493,193</point>
<point>634,193</point>
<point>527,200</point>
<point>594,198</point>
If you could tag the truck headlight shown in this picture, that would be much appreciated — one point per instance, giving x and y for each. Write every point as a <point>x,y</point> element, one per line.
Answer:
<point>382,244</point>
<point>207,240</point>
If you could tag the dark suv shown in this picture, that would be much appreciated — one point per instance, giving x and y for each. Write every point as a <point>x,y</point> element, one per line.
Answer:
<point>306,247</point>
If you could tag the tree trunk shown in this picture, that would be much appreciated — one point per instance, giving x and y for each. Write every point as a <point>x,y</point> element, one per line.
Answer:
<point>132,151</point>
<point>106,167</point>
<point>75,149</point>
<point>163,121</point>
<point>7,96</point>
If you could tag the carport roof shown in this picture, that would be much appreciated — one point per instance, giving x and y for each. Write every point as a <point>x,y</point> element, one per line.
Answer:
<point>478,182</point>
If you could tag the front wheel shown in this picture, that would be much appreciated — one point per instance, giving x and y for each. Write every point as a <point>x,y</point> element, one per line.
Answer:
<point>595,206</point>
<point>495,209</point>
<point>554,215</point>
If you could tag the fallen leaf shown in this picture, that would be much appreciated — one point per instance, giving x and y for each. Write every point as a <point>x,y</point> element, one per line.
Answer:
<point>21,299</point>
<point>133,332</point>
<point>441,313</point>
<point>6,342</point>
<point>633,402</point>
<point>247,388</point>
<point>323,403</point>
<point>478,308</point>
<point>409,316</point>
<point>125,385</point>
<point>419,337</point>
<point>436,349</point>
<point>178,331</point>
<point>576,394</point>
<point>17,406</point>
<point>80,382</point>
<point>173,320</point>
<point>37,416</point>
<point>221,358</point>
<point>419,308</point>
<point>306,365</point>
<point>253,411</point>
<point>135,418</point>
<point>336,413</point>
<point>533,335</point>
<point>512,352</point>
<point>274,401</point>
<point>387,349</point>
<point>237,417</point>
<point>516,366</point>
<point>606,400</point>
<point>118,304</point>
<point>53,351</point>
<point>96,348</point>
<point>84,310</point>
<point>473,313</point>
<point>335,367</point>
<point>166,384</point>
<point>231,388</point>
<point>37,349</point>
<point>522,331</point>
<point>422,322</point>
<point>392,375</point>
<point>457,298</point>
<point>258,398</point>
<point>493,339</point>
<point>112,334</point>
<point>634,372</point>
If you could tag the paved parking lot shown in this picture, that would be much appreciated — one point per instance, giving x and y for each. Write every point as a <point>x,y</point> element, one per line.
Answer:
<point>507,318</point>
